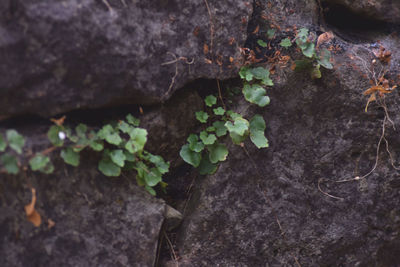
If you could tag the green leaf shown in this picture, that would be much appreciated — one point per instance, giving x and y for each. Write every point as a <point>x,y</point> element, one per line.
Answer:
<point>129,156</point>
<point>153,177</point>
<point>233,114</point>
<point>271,33</point>
<point>70,156</point>
<point>220,129</point>
<point>70,136</point>
<point>286,43</point>
<point>81,130</point>
<point>189,156</point>
<point>246,74</point>
<point>10,163</point>
<point>118,157</point>
<point>15,140</point>
<point>132,120</point>
<point>302,35</point>
<point>237,139</point>
<point>262,43</point>
<point>325,58</point>
<point>109,134</point>
<point>257,128</point>
<point>137,141</point>
<point>109,168</point>
<point>219,111</point>
<point>125,127</point>
<point>218,152</point>
<point>316,73</point>
<point>54,135</point>
<point>201,116</point>
<point>256,94</point>
<point>96,145</point>
<point>194,143</point>
<point>308,49</point>
<point>210,100</point>
<point>262,74</point>
<point>208,139</point>
<point>210,129</point>
<point>3,144</point>
<point>41,163</point>
<point>159,162</point>
<point>206,167</point>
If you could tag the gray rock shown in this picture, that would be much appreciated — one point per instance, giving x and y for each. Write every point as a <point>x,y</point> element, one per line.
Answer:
<point>61,56</point>
<point>98,221</point>
<point>317,129</point>
<point>380,10</point>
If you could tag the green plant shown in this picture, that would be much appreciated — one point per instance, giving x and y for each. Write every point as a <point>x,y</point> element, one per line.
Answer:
<point>121,144</point>
<point>315,58</point>
<point>13,143</point>
<point>205,150</point>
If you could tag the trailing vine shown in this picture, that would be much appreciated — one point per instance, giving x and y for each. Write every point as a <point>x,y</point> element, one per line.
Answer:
<point>121,145</point>
<point>205,150</point>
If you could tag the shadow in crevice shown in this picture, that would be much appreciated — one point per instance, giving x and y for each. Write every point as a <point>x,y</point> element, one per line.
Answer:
<point>354,27</point>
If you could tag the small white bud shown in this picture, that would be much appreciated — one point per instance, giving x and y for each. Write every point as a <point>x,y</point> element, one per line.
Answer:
<point>61,135</point>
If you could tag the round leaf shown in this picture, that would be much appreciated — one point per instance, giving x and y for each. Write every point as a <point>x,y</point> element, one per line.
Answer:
<point>189,156</point>
<point>206,167</point>
<point>240,126</point>
<point>208,139</point>
<point>219,111</point>
<point>201,116</point>
<point>10,163</point>
<point>15,140</point>
<point>118,157</point>
<point>255,94</point>
<point>70,156</point>
<point>257,128</point>
<point>218,152</point>
<point>210,100</point>
<point>109,168</point>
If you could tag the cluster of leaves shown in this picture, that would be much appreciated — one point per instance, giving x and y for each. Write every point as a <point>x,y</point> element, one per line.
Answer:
<point>121,144</point>
<point>254,81</point>
<point>315,58</point>
<point>11,144</point>
<point>205,150</point>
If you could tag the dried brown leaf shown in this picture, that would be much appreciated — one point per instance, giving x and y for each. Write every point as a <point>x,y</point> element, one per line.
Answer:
<point>324,37</point>
<point>32,215</point>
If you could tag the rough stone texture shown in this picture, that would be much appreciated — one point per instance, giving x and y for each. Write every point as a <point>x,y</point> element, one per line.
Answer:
<point>384,10</point>
<point>60,56</point>
<point>170,124</point>
<point>98,221</point>
<point>317,129</point>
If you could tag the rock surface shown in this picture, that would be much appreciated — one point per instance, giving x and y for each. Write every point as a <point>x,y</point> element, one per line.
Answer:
<point>98,221</point>
<point>381,10</point>
<point>86,54</point>
<point>318,129</point>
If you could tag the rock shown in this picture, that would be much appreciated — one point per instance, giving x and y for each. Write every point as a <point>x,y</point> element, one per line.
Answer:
<point>267,209</point>
<point>70,55</point>
<point>98,220</point>
<point>173,218</point>
<point>379,10</point>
